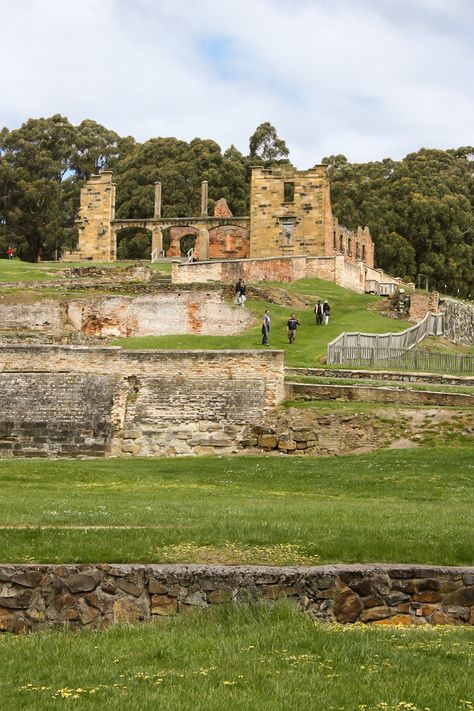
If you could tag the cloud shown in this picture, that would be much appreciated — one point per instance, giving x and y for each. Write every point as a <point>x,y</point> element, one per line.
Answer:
<point>369,79</point>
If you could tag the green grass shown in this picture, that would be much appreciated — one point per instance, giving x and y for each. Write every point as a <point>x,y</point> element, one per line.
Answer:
<point>349,313</point>
<point>393,506</point>
<point>242,659</point>
<point>14,270</point>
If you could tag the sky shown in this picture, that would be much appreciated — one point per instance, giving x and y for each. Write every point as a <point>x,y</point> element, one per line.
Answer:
<point>366,78</point>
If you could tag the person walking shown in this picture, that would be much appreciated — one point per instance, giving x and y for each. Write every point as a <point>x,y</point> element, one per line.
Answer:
<point>10,252</point>
<point>326,312</point>
<point>240,290</point>
<point>265,328</point>
<point>291,327</point>
<point>318,310</point>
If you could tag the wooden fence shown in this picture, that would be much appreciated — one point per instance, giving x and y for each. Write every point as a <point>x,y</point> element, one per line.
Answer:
<point>400,359</point>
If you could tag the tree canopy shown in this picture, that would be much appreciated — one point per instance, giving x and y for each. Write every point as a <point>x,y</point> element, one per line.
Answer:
<point>419,209</point>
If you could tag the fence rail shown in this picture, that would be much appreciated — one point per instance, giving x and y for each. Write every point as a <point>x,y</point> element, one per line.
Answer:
<point>396,358</point>
<point>431,325</point>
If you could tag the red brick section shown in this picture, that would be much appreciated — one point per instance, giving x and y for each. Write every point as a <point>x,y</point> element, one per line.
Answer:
<point>228,242</point>
<point>176,234</point>
<point>221,209</point>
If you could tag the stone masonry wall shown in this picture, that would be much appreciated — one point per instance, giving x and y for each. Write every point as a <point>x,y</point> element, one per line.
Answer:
<point>285,269</point>
<point>75,401</point>
<point>164,313</point>
<point>304,391</point>
<point>458,321</point>
<point>34,597</point>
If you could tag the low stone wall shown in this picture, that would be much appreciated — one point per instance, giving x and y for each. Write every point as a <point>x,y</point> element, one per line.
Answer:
<point>337,269</point>
<point>77,401</point>
<point>458,321</point>
<point>171,312</point>
<point>306,391</point>
<point>36,597</point>
<point>389,375</point>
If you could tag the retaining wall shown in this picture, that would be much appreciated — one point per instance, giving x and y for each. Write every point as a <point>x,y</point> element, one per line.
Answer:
<point>36,597</point>
<point>170,312</point>
<point>306,391</point>
<point>76,401</point>
<point>458,321</point>
<point>389,375</point>
<point>285,269</point>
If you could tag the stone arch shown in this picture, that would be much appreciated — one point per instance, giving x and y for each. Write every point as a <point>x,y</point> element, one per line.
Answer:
<point>133,242</point>
<point>179,243</point>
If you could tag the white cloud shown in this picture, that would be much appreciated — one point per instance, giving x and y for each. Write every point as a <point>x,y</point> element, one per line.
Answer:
<point>347,76</point>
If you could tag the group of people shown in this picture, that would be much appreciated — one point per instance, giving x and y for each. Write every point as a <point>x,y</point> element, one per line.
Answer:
<point>321,311</point>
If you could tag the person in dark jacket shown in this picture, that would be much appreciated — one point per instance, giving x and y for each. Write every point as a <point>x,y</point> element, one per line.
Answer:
<point>326,312</point>
<point>291,327</point>
<point>318,311</point>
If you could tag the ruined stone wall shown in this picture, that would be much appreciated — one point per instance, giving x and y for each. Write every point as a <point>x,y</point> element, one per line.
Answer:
<point>163,313</point>
<point>421,303</point>
<point>228,242</point>
<point>285,269</point>
<point>292,223</point>
<point>57,400</point>
<point>307,391</point>
<point>35,597</point>
<point>458,321</point>
<point>97,209</point>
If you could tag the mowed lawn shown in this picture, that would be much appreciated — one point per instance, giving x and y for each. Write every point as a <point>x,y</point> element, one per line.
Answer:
<point>404,506</point>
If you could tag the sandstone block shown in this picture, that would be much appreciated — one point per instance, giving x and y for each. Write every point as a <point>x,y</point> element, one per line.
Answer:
<point>375,613</point>
<point>219,596</point>
<point>82,582</point>
<point>163,605</point>
<point>128,611</point>
<point>267,441</point>
<point>157,588</point>
<point>463,596</point>
<point>347,606</point>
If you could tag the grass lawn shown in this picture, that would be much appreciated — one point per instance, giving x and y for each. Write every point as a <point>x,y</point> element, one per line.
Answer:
<point>243,659</point>
<point>15,270</point>
<point>405,506</point>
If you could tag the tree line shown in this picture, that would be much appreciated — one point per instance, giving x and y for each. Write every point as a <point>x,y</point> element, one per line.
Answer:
<point>419,209</point>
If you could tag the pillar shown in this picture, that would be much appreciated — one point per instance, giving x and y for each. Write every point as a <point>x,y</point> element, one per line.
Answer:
<point>157,213</point>
<point>156,239</point>
<point>203,243</point>
<point>204,197</point>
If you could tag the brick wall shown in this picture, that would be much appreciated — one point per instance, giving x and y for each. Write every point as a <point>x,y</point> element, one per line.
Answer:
<point>59,400</point>
<point>338,269</point>
<point>34,597</point>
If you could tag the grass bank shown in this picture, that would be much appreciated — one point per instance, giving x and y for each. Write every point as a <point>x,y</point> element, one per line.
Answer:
<point>405,506</point>
<point>253,658</point>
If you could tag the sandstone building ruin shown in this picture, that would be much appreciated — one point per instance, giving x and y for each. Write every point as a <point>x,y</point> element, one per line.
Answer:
<point>290,215</point>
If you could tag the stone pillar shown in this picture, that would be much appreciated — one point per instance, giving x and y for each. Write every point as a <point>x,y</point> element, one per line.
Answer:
<point>204,198</point>
<point>203,243</point>
<point>157,213</point>
<point>157,238</point>
<point>97,209</point>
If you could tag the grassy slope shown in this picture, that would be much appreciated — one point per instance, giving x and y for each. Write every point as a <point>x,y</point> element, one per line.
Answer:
<point>349,313</point>
<point>243,659</point>
<point>398,506</point>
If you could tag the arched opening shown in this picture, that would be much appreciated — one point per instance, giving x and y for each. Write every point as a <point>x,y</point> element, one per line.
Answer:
<point>133,243</point>
<point>179,241</point>
<point>187,243</point>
